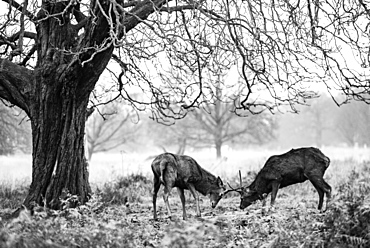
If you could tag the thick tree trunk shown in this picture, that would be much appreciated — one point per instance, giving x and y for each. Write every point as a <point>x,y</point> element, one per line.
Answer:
<point>59,97</point>
<point>59,165</point>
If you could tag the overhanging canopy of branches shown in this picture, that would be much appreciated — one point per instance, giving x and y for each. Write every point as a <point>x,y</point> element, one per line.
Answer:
<point>274,50</point>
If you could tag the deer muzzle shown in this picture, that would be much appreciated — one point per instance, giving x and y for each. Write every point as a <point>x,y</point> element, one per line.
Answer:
<point>244,204</point>
<point>214,204</point>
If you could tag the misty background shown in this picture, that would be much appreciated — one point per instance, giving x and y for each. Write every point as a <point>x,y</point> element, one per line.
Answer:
<point>123,141</point>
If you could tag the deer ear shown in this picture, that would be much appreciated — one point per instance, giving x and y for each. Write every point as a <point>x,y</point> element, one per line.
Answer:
<point>219,182</point>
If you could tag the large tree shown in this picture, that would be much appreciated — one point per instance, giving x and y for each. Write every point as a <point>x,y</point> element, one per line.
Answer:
<point>53,53</point>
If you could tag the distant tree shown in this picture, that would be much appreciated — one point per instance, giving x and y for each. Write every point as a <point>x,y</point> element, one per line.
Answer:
<point>112,126</point>
<point>14,131</point>
<point>313,125</point>
<point>353,123</point>
<point>319,118</point>
<point>216,124</point>
<point>168,138</point>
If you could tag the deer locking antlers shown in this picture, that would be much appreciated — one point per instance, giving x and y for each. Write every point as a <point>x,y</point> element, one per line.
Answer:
<point>239,189</point>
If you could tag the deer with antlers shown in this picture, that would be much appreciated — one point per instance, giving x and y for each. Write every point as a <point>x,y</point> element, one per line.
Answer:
<point>295,166</point>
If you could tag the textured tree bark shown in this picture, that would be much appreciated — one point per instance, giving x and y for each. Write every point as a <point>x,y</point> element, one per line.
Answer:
<point>58,122</point>
<point>58,116</point>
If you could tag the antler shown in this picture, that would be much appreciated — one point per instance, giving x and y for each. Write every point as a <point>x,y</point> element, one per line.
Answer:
<point>240,178</point>
<point>239,190</point>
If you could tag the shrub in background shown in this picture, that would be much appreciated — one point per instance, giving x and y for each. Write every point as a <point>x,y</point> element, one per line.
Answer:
<point>12,196</point>
<point>125,189</point>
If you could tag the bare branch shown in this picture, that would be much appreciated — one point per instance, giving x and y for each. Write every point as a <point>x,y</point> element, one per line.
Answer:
<point>21,9</point>
<point>15,84</point>
<point>28,56</point>
<point>25,34</point>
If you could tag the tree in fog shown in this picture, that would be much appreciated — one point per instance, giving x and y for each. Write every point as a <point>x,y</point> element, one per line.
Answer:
<point>217,125</point>
<point>110,127</point>
<point>14,131</point>
<point>214,126</point>
<point>319,118</point>
<point>353,123</point>
<point>313,125</point>
<point>54,52</point>
<point>169,138</point>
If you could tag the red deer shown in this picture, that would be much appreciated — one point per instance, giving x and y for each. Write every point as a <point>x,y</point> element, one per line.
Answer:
<point>184,172</point>
<point>295,166</point>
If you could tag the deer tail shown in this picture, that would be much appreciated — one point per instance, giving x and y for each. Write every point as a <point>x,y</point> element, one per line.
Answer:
<point>327,162</point>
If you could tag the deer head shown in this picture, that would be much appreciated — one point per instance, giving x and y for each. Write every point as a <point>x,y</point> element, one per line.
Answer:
<point>216,194</point>
<point>247,196</point>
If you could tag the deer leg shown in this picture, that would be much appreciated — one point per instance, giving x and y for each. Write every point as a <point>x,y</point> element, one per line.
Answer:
<point>157,185</point>
<point>166,194</point>
<point>321,187</point>
<point>182,197</point>
<point>321,197</point>
<point>327,191</point>
<point>316,184</point>
<point>275,187</point>
<point>196,197</point>
<point>263,199</point>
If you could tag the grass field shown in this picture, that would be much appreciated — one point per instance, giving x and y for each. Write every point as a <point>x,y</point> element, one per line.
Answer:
<point>120,212</point>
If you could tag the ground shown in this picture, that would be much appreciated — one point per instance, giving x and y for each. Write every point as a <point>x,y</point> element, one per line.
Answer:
<point>291,224</point>
<point>119,214</point>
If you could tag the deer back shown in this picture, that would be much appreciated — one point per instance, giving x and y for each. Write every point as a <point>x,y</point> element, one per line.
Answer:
<point>289,168</point>
<point>180,170</point>
<point>203,181</point>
